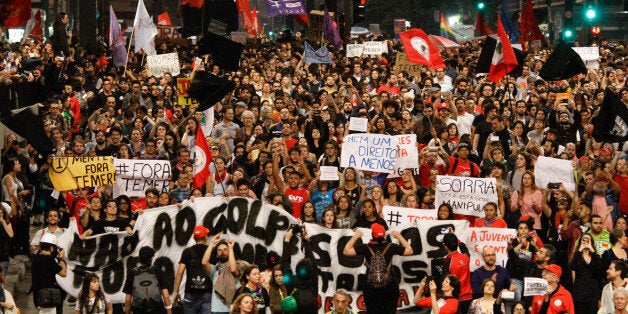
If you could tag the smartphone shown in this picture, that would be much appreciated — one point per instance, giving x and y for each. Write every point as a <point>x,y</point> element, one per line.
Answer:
<point>552,185</point>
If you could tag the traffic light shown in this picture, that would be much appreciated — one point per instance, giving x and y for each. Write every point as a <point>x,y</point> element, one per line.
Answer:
<point>481,5</point>
<point>567,34</point>
<point>595,31</point>
<point>590,13</point>
<point>359,11</point>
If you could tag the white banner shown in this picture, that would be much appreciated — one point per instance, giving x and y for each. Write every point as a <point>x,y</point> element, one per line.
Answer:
<point>554,170</point>
<point>374,48</point>
<point>372,152</point>
<point>158,65</point>
<point>407,157</point>
<point>395,216</point>
<point>256,229</point>
<point>354,50</point>
<point>135,176</point>
<point>466,195</point>
<point>534,286</point>
<point>497,238</point>
<point>589,55</point>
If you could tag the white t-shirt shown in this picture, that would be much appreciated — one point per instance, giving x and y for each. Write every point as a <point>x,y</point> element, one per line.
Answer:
<point>101,306</point>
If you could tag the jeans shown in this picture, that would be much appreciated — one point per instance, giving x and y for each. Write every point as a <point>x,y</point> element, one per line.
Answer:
<point>197,303</point>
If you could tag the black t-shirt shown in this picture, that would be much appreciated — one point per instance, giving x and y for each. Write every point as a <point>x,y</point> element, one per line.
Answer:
<point>189,257</point>
<point>109,226</point>
<point>364,223</point>
<point>395,249</point>
<point>43,270</point>
<point>484,129</point>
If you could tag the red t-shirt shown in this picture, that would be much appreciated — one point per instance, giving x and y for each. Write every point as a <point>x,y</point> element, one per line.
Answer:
<point>463,168</point>
<point>297,197</point>
<point>499,223</point>
<point>81,203</point>
<point>459,266</point>
<point>622,181</point>
<point>447,306</point>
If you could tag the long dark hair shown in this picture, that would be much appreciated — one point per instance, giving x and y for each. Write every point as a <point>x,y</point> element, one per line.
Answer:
<point>83,297</point>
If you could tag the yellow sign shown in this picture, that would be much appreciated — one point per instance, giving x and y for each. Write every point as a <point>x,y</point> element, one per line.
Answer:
<point>402,64</point>
<point>183,85</point>
<point>70,173</point>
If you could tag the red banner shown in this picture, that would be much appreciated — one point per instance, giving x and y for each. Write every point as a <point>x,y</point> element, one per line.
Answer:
<point>15,13</point>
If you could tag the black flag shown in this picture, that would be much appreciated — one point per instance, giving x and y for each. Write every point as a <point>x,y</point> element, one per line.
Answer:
<point>611,123</point>
<point>562,64</point>
<point>225,52</point>
<point>30,126</point>
<point>209,89</point>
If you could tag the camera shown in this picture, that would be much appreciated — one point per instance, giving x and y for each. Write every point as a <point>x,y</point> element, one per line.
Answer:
<point>553,185</point>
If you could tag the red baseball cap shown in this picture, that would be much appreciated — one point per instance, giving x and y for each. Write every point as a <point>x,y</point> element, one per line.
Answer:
<point>378,230</point>
<point>555,269</point>
<point>200,232</point>
<point>442,105</point>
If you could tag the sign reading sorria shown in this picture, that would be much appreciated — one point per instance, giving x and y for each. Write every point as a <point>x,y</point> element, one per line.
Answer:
<point>70,173</point>
<point>256,229</point>
<point>466,195</point>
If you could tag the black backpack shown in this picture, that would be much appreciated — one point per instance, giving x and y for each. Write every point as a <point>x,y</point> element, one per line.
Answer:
<point>197,278</point>
<point>146,292</point>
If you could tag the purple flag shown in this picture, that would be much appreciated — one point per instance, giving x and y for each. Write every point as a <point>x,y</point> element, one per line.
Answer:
<point>285,7</point>
<point>116,40</point>
<point>330,32</point>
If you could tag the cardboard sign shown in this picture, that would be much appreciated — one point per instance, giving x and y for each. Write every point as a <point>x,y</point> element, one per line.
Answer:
<point>70,173</point>
<point>554,170</point>
<point>158,65</point>
<point>374,48</point>
<point>372,152</point>
<point>466,195</point>
<point>183,85</point>
<point>395,215</point>
<point>135,176</point>
<point>497,238</point>
<point>402,64</point>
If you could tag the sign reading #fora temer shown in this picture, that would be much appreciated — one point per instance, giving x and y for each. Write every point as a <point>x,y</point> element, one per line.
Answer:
<point>70,173</point>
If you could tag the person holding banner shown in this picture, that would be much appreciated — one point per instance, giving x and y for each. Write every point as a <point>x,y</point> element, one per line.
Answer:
<point>379,300</point>
<point>369,216</point>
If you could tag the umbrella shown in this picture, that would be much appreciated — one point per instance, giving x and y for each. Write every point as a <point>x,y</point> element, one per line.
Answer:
<point>443,43</point>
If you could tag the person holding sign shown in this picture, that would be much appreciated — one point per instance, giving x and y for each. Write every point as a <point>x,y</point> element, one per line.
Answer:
<point>557,299</point>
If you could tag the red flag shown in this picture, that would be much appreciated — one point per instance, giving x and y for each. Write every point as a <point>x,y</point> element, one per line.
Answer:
<point>193,3</point>
<point>420,49</point>
<point>480,27</point>
<point>302,19</point>
<point>164,19</point>
<point>15,13</point>
<point>202,158</point>
<point>528,26</point>
<point>504,59</point>
<point>255,19</point>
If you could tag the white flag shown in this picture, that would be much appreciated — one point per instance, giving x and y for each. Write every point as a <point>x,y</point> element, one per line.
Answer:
<point>145,30</point>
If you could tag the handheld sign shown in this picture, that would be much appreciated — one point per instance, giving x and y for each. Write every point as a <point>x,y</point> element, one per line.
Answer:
<point>358,124</point>
<point>135,176</point>
<point>158,65</point>
<point>329,173</point>
<point>372,152</point>
<point>496,238</point>
<point>70,173</point>
<point>534,286</point>
<point>554,170</point>
<point>467,196</point>
<point>395,216</point>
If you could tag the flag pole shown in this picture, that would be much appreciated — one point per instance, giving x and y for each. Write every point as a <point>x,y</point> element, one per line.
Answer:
<point>128,50</point>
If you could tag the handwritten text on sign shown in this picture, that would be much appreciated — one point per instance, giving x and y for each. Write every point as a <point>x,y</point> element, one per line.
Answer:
<point>256,229</point>
<point>496,238</point>
<point>373,152</point>
<point>395,216</point>
<point>69,173</point>
<point>408,155</point>
<point>354,50</point>
<point>134,177</point>
<point>534,286</point>
<point>554,170</point>
<point>158,65</point>
<point>374,48</point>
<point>466,196</point>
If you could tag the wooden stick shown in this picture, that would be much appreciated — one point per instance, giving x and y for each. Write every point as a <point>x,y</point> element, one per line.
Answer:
<point>128,51</point>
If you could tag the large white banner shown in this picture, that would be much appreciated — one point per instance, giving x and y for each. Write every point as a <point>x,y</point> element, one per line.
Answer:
<point>554,170</point>
<point>395,216</point>
<point>158,65</point>
<point>466,195</point>
<point>372,152</point>
<point>256,229</point>
<point>135,176</point>
<point>496,238</point>
<point>408,155</point>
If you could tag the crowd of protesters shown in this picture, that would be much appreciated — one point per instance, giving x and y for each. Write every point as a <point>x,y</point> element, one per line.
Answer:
<point>286,118</point>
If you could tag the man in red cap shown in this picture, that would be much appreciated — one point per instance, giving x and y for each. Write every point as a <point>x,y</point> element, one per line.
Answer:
<point>557,299</point>
<point>198,284</point>
<point>380,292</point>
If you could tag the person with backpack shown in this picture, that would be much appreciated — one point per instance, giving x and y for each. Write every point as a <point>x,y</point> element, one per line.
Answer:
<point>48,263</point>
<point>462,166</point>
<point>145,288</point>
<point>198,284</point>
<point>381,291</point>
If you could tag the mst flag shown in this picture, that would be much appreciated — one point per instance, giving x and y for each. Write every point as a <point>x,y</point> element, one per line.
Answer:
<point>562,64</point>
<point>164,19</point>
<point>420,49</point>
<point>15,13</point>
<point>33,27</point>
<point>504,59</point>
<point>611,123</point>
<point>202,158</point>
